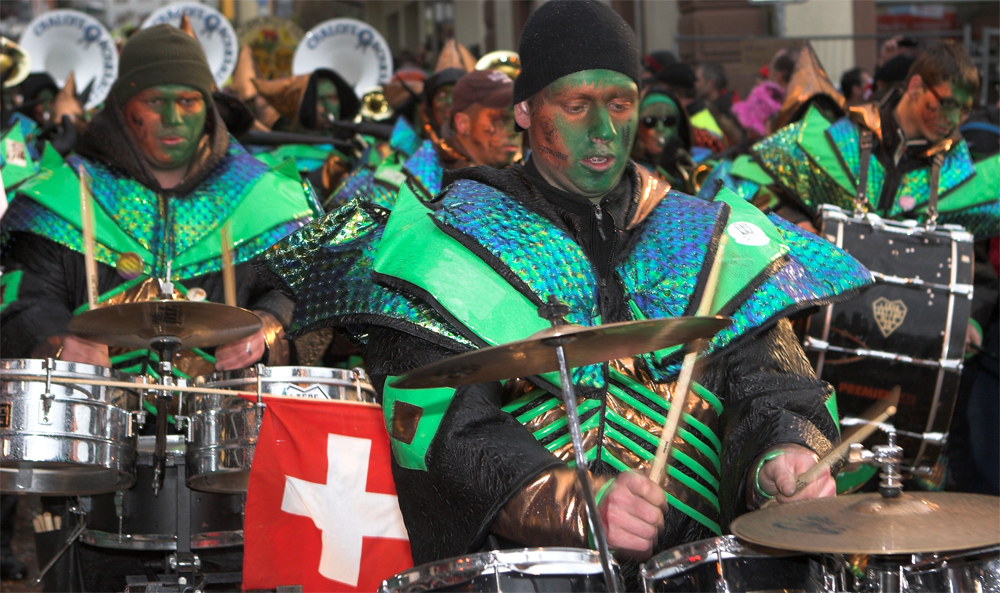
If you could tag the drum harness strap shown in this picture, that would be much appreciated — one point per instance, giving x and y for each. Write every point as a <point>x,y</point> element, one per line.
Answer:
<point>932,197</point>
<point>861,195</point>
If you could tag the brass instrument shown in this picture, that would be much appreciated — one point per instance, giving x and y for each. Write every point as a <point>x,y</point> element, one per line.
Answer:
<point>15,63</point>
<point>374,105</point>
<point>504,60</point>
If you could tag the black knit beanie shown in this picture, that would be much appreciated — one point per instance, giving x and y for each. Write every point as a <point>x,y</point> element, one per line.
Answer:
<point>567,36</point>
<point>159,55</point>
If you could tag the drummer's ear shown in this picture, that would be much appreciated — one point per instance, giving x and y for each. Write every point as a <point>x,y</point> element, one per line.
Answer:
<point>522,114</point>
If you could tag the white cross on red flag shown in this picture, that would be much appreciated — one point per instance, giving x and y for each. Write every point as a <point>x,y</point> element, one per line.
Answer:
<point>321,507</point>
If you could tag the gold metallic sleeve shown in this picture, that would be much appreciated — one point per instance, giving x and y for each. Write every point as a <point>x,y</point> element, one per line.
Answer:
<point>549,511</point>
<point>274,336</point>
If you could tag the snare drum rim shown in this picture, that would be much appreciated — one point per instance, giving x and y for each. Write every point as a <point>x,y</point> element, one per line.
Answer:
<point>677,560</point>
<point>461,569</point>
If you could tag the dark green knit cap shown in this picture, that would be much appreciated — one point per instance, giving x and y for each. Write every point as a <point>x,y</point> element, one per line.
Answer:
<point>161,55</point>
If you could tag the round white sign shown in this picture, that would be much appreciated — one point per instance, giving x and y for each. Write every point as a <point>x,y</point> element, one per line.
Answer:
<point>64,41</point>
<point>351,48</point>
<point>747,233</point>
<point>213,30</point>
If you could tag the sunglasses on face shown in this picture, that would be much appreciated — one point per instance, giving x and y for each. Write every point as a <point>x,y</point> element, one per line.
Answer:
<point>667,120</point>
<point>949,106</point>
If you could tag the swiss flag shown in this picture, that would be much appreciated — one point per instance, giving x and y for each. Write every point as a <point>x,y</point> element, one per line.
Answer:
<point>321,507</point>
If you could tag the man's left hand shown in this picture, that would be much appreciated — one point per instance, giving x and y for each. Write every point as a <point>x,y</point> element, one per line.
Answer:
<point>240,354</point>
<point>778,476</point>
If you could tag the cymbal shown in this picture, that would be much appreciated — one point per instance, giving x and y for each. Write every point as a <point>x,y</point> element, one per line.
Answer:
<point>198,324</point>
<point>914,522</point>
<point>583,345</point>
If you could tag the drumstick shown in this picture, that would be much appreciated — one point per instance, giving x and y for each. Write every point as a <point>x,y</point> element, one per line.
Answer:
<point>873,416</point>
<point>87,219</point>
<point>138,386</point>
<point>679,400</point>
<point>228,274</point>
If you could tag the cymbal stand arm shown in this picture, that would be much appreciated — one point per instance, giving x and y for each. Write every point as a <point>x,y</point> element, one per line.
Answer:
<point>554,312</point>
<point>572,416</point>
<point>166,347</point>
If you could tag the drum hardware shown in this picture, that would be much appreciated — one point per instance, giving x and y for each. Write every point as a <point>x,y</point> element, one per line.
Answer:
<point>78,510</point>
<point>954,364</point>
<point>873,418</point>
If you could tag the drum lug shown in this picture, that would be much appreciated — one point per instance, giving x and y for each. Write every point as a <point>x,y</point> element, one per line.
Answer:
<point>47,397</point>
<point>138,420</point>
<point>184,423</point>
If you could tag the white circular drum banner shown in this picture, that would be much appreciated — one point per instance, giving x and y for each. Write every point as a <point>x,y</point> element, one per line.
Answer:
<point>64,41</point>
<point>351,48</point>
<point>213,30</point>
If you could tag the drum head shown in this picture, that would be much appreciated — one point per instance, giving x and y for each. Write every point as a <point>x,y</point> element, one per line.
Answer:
<point>64,41</point>
<point>351,48</point>
<point>214,31</point>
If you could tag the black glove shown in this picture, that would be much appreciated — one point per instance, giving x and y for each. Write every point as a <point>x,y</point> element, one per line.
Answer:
<point>62,136</point>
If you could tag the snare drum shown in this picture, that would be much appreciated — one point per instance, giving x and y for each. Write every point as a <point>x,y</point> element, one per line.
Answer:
<point>724,564</point>
<point>538,569</point>
<point>907,329</point>
<point>64,439</point>
<point>970,570</point>
<point>224,429</point>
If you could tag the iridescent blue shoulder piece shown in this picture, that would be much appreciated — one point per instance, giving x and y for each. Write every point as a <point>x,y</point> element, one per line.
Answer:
<point>426,167</point>
<point>357,185</point>
<point>326,268</point>
<point>404,138</point>
<point>661,272</point>
<point>914,187</point>
<point>817,273</point>
<point>532,254</point>
<point>721,176</point>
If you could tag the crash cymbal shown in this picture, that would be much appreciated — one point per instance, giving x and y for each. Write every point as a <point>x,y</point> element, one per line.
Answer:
<point>914,522</point>
<point>583,345</point>
<point>198,324</point>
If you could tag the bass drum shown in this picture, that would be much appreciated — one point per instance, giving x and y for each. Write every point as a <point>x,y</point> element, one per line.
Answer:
<point>224,429</point>
<point>908,329</point>
<point>64,439</point>
<point>538,569</point>
<point>725,564</point>
<point>138,519</point>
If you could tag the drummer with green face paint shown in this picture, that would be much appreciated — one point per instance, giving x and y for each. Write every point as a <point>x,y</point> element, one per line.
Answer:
<point>489,465</point>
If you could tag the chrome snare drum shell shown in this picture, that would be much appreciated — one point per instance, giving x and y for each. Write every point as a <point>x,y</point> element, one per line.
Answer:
<point>67,439</point>
<point>223,429</point>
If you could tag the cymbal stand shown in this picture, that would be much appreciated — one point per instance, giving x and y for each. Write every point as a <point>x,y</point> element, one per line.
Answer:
<point>166,347</point>
<point>554,312</point>
<point>887,457</point>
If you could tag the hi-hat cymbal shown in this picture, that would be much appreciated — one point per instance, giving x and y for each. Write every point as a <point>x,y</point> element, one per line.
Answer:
<point>198,324</point>
<point>914,522</point>
<point>583,345</point>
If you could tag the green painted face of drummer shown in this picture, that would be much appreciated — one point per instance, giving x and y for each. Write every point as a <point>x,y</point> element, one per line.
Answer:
<point>327,103</point>
<point>581,129</point>
<point>167,123</point>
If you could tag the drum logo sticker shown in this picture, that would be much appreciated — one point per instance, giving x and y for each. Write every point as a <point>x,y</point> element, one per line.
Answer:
<point>747,233</point>
<point>889,315</point>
